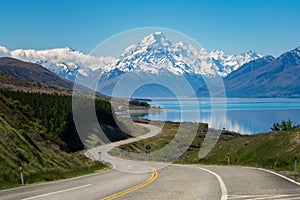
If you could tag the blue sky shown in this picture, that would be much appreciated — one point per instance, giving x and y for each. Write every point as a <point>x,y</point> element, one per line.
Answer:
<point>265,26</point>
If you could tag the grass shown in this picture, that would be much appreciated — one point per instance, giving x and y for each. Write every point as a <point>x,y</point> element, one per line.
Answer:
<point>172,140</point>
<point>26,143</point>
<point>55,174</point>
<point>132,129</point>
<point>273,150</point>
<point>58,174</point>
<point>40,163</point>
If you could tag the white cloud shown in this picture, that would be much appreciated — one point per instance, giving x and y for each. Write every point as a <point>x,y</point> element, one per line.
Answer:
<point>4,52</point>
<point>50,57</point>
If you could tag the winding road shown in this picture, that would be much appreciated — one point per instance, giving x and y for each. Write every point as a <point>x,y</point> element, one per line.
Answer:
<point>152,180</point>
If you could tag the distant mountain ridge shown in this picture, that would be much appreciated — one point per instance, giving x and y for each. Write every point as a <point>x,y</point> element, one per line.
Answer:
<point>245,75</point>
<point>32,72</point>
<point>267,77</point>
<point>70,64</point>
<point>65,62</point>
<point>155,53</point>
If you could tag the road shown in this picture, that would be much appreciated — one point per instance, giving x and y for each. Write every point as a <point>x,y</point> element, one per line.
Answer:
<point>140,180</point>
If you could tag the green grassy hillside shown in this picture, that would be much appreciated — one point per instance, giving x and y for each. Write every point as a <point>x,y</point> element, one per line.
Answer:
<point>274,150</point>
<point>37,132</point>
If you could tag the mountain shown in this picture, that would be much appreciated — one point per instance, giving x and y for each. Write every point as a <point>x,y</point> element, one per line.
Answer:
<point>154,49</point>
<point>156,55</point>
<point>231,62</point>
<point>32,72</point>
<point>267,77</point>
<point>65,62</point>
<point>246,75</point>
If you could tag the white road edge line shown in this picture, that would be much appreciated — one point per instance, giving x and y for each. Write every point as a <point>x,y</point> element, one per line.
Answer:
<point>60,191</point>
<point>284,177</point>
<point>275,196</point>
<point>221,182</point>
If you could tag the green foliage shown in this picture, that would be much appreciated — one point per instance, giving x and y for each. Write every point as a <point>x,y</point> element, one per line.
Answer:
<point>54,112</point>
<point>271,150</point>
<point>37,131</point>
<point>275,127</point>
<point>139,103</point>
<point>284,126</point>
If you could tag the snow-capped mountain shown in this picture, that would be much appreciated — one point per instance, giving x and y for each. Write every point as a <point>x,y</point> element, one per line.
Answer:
<point>267,77</point>
<point>226,63</point>
<point>155,53</point>
<point>65,62</point>
<point>245,75</point>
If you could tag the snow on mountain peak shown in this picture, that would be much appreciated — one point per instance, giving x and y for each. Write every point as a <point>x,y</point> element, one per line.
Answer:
<point>296,51</point>
<point>65,62</point>
<point>154,54</point>
<point>158,39</point>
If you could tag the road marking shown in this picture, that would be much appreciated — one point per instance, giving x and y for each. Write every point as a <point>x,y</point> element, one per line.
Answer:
<point>221,182</point>
<point>274,197</point>
<point>60,191</point>
<point>122,193</point>
<point>286,178</point>
<point>260,197</point>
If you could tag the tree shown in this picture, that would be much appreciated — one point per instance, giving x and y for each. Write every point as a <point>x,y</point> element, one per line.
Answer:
<point>284,126</point>
<point>275,127</point>
<point>289,124</point>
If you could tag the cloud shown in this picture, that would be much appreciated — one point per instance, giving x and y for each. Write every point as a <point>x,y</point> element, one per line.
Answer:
<point>4,52</point>
<point>51,57</point>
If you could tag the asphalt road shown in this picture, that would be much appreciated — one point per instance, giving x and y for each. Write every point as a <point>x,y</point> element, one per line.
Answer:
<point>171,182</point>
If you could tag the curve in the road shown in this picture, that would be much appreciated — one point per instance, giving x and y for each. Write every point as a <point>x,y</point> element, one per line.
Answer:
<point>221,182</point>
<point>284,177</point>
<point>122,193</point>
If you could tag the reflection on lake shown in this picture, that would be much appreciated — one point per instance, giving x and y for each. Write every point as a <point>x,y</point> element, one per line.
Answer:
<point>246,116</point>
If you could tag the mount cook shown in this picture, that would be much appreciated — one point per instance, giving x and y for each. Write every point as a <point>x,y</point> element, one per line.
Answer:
<point>155,54</point>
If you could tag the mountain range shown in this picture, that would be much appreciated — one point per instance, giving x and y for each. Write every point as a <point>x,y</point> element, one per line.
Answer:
<point>267,77</point>
<point>246,75</point>
<point>32,72</point>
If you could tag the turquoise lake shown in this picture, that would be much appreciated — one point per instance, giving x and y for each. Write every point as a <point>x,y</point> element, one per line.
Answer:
<point>246,116</point>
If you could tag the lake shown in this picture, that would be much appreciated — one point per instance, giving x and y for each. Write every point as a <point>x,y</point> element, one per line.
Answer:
<point>246,116</point>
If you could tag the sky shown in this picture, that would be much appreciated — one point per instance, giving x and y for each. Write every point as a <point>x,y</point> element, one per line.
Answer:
<point>265,26</point>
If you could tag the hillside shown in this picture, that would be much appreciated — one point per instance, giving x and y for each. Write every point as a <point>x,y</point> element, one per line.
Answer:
<point>37,132</point>
<point>11,83</point>
<point>249,75</point>
<point>267,77</point>
<point>32,72</point>
<point>273,150</point>
<point>25,142</point>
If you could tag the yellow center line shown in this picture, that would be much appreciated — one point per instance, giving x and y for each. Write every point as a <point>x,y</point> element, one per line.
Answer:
<point>143,184</point>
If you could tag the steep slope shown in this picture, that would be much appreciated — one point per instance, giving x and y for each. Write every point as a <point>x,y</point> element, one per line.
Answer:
<point>37,131</point>
<point>27,143</point>
<point>36,125</point>
<point>8,82</point>
<point>267,77</point>
<point>32,72</point>
<point>248,67</point>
